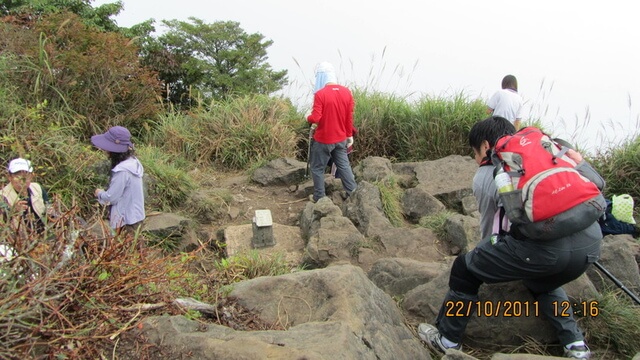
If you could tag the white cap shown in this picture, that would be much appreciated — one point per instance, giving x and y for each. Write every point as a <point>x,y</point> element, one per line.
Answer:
<point>19,164</point>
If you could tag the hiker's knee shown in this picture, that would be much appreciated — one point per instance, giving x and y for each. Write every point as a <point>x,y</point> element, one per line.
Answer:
<point>461,279</point>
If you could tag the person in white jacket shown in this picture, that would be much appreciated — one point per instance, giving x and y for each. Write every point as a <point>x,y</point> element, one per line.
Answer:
<point>125,193</point>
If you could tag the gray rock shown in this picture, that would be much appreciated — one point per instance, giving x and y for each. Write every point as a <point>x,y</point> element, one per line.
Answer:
<point>396,276</point>
<point>332,313</point>
<point>374,169</point>
<point>282,171</point>
<point>463,232</point>
<point>417,202</point>
<point>617,257</point>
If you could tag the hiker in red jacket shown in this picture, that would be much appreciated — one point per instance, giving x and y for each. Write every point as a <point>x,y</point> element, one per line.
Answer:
<point>332,117</point>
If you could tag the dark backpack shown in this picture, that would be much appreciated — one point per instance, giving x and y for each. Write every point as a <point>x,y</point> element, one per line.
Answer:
<point>551,199</point>
<point>612,226</point>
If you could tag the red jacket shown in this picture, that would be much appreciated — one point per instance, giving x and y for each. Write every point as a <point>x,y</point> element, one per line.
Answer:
<point>333,112</point>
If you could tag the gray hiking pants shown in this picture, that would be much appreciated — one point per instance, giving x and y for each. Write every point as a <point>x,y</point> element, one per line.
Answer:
<point>542,266</point>
<point>319,157</point>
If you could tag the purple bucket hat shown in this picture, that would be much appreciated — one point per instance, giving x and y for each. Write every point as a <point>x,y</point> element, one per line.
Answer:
<point>117,140</point>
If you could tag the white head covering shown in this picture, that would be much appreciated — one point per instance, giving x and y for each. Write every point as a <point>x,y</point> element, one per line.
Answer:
<point>19,164</point>
<point>324,74</point>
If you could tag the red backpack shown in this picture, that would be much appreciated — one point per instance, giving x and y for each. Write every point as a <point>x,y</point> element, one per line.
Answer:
<point>551,199</point>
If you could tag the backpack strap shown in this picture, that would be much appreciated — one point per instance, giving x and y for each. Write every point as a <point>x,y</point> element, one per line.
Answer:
<point>501,231</point>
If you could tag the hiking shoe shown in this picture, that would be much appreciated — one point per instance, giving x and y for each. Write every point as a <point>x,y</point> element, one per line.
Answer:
<point>311,199</point>
<point>430,334</point>
<point>577,352</point>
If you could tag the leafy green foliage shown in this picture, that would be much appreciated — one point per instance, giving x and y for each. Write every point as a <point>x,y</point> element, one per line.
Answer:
<point>89,79</point>
<point>98,17</point>
<point>200,62</point>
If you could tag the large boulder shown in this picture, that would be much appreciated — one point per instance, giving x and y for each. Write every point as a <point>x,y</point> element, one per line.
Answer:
<point>332,313</point>
<point>364,209</point>
<point>618,257</point>
<point>374,168</point>
<point>330,237</point>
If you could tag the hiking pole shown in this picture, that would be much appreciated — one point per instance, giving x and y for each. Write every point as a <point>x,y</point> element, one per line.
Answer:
<point>617,282</point>
<point>312,129</point>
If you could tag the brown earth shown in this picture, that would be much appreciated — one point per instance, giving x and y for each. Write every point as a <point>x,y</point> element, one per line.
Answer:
<point>285,202</point>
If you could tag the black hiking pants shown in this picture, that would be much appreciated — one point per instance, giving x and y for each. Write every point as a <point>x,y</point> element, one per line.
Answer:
<point>542,266</point>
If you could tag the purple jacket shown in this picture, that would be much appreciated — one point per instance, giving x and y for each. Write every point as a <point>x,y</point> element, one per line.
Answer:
<point>125,194</point>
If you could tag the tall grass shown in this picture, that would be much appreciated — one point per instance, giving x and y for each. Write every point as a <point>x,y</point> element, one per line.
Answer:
<point>427,129</point>
<point>440,127</point>
<point>620,166</point>
<point>232,134</point>
<point>616,326</point>
<point>377,118</point>
<point>170,185</point>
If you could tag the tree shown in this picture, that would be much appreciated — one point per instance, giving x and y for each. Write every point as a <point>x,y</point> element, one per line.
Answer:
<point>99,17</point>
<point>211,61</point>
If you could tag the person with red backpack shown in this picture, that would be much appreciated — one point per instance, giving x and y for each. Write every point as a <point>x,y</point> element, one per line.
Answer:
<point>542,266</point>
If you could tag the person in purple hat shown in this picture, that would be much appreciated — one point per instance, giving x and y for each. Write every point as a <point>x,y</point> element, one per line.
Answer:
<point>125,193</point>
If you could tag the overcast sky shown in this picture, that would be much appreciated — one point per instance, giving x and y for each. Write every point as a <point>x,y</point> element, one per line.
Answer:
<point>573,59</point>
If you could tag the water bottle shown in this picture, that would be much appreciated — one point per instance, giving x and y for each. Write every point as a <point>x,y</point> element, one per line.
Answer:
<point>503,181</point>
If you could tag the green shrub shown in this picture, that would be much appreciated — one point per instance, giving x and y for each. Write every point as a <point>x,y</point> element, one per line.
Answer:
<point>93,77</point>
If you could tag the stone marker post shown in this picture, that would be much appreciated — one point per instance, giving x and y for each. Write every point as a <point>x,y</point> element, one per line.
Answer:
<point>262,230</point>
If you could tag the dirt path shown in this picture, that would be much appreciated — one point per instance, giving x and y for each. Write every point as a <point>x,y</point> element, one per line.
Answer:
<point>247,197</point>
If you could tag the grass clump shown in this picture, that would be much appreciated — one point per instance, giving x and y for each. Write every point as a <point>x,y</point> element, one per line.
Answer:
<point>249,265</point>
<point>390,195</point>
<point>616,326</point>
<point>170,185</point>
<point>437,222</point>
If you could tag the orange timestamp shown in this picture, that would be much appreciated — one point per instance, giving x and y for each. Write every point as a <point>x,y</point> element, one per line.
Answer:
<point>488,308</point>
<point>581,308</point>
